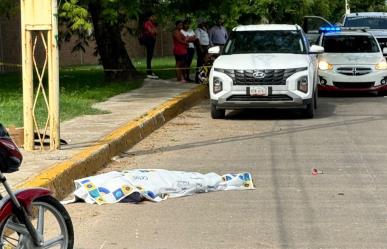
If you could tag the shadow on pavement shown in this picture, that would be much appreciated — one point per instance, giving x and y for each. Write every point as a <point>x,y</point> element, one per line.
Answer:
<point>350,94</point>
<point>324,110</point>
<point>269,134</point>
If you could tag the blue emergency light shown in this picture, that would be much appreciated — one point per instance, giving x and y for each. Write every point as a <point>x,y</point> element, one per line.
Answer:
<point>329,29</point>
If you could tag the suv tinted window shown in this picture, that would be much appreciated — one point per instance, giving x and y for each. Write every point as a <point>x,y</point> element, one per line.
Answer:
<point>350,44</point>
<point>371,22</point>
<point>247,42</point>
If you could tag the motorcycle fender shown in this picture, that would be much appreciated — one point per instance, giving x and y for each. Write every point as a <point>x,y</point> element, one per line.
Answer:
<point>25,197</point>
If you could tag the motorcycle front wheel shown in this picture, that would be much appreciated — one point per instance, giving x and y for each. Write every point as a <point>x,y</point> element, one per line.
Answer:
<point>50,219</point>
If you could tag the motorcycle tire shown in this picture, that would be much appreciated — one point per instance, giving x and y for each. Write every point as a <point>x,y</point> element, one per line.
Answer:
<point>47,213</point>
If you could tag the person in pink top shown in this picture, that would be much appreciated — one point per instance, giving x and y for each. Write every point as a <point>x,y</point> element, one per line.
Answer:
<point>180,50</point>
<point>149,41</point>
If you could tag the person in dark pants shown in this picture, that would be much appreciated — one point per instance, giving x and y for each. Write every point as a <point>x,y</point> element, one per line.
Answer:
<point>191,39</point>
<point>201,46</point>
<point>149,41</point>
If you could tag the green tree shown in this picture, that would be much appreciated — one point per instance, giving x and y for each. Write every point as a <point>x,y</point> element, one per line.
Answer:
<point>104,20</point>
<point>332,10</point>
<point>367,5</point>
<point>7,7</point>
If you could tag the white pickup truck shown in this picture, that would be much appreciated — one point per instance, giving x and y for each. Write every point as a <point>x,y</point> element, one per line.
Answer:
<point>265,66</point>
<point>376,22</point>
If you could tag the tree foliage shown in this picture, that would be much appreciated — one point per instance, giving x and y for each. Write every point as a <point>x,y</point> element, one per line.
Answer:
<point>367,5</point>
<point>105,20</point>
<point>7,7</point>
<point>272,11</point>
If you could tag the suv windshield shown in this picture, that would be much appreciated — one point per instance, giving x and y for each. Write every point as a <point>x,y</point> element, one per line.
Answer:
<point>350,44</point>
<point>247,42</point>
<point>371,22</point>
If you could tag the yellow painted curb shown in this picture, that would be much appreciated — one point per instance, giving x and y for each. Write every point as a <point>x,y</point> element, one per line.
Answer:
<point>60,177</point>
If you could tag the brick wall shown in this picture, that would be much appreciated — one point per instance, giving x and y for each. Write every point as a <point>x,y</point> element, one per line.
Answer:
<point>10,47</point>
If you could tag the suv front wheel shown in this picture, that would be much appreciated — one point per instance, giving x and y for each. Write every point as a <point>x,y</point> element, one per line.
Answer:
<point>217,113</point>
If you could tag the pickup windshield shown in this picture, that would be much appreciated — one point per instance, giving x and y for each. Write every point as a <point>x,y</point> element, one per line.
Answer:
<point>350,44</point>
<point>248,42</point>
<point>371,22</point>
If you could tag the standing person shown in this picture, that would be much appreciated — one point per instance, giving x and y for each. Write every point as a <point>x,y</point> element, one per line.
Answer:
<point>180,50</point>
<point>191,38</point>
<point>202,46</point>
<point>149,35</point>
<point>218,34</point>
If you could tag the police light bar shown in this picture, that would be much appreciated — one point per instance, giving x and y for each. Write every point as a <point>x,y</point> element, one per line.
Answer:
<point>364,29</point>
<point>329,29</point>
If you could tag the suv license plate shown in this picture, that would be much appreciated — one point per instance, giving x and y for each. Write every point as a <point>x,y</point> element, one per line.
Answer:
<point>259,91</point>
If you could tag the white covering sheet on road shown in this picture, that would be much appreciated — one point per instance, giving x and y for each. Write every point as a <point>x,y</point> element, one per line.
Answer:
<point>154,185</point>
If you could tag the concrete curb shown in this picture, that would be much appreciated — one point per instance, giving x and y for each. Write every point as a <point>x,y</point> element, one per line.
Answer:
<point>59,178</point>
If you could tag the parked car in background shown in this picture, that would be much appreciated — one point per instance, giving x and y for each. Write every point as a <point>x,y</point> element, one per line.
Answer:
<point>311,26</point>
<point>265,66</point>
<point>376,22</point>
<point>352,61</point>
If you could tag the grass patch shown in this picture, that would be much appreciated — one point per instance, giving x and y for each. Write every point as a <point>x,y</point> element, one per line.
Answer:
<point>164,67</point>
<point>80,88</point>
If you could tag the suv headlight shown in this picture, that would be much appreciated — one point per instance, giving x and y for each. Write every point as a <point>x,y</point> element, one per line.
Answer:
<point>302,84</point>
<point>217,85</point>
<point>382,65</point>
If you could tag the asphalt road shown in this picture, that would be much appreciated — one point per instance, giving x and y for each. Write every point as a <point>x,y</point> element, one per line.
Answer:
<point>345,206</point>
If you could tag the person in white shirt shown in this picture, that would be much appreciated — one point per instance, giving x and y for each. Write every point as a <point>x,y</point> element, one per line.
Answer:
<point>191,38</point>
<point>203,44</point>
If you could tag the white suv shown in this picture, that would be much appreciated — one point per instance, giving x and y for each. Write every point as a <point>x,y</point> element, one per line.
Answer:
<point>265,66</point>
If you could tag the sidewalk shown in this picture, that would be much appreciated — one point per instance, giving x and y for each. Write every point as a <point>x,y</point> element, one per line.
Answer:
<point>94,139</point>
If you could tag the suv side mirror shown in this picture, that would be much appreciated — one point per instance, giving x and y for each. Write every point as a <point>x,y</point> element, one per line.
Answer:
<point>314,49</point>
<point>385,51</point>
<point>214,50</point>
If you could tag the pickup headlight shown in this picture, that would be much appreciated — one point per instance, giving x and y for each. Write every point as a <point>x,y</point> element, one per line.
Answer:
<point>323,65</point>
<point>302,84</point>
<point>217,85</point>
<point>382,65</point>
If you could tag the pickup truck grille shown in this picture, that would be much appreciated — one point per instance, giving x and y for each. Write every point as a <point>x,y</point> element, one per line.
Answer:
<point>354,71</point>
<point>261,77</point>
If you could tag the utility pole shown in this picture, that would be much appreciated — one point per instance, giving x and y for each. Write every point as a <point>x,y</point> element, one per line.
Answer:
<point>347,8</point>
<point>39,28</point>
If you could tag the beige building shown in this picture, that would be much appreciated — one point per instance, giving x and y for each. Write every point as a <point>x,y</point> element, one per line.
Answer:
<point>10,47</point>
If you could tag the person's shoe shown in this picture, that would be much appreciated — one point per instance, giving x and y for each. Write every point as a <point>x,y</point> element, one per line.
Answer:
<point>152,76</point>
<point>183,81</point>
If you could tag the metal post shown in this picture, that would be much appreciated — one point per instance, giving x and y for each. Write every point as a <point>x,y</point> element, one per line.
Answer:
<point>347,9</point>
<point>54,80</point>
<point>39,21</point>
<point>28,91</point>
<point>162,42</point>
<point>2,68</point>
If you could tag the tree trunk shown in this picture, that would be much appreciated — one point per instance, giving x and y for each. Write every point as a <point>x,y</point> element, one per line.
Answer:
<point>111,49</point>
